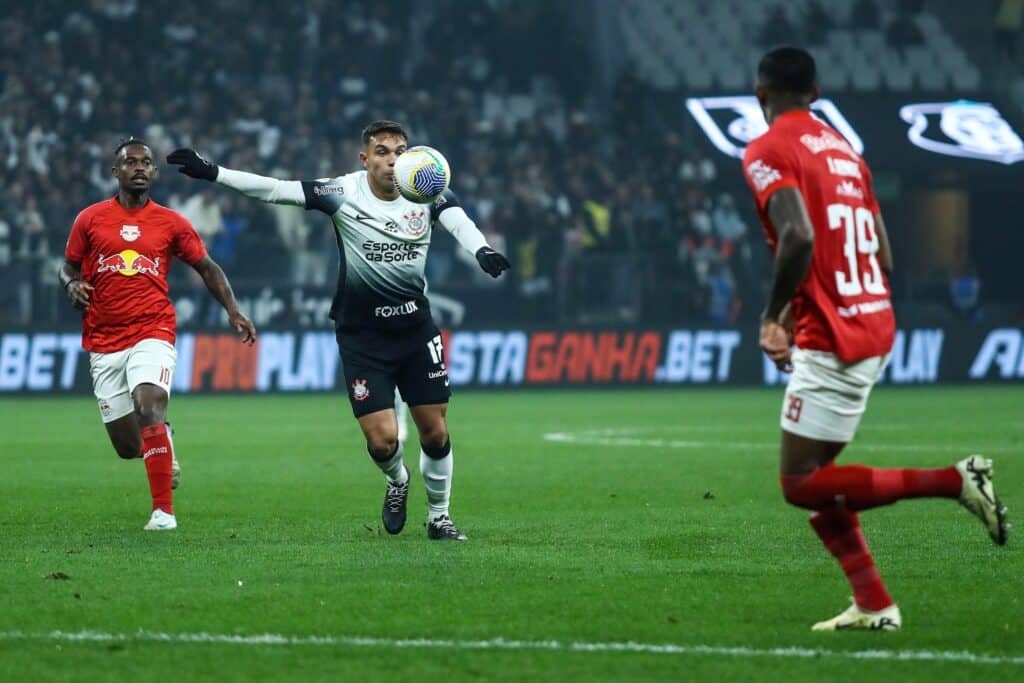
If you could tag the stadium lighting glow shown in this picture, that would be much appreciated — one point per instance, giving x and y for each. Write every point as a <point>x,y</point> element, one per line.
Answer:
<point>749,122</point>
<point>975,130</point>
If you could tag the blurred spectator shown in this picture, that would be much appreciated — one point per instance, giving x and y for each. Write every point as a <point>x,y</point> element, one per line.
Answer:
<point>698,168</point>
<point>578,194</point>
<point>1009,21</point>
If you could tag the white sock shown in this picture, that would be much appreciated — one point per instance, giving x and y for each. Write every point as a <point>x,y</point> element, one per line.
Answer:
<point>393,468</point>
<point>402,416</point>
<point>437,480</point>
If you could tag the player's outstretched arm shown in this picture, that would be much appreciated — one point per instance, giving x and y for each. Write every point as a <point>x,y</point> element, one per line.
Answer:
<point>78,290</point>
<point>270,190</point>
<point>217,282</point>
<point>465,232</point>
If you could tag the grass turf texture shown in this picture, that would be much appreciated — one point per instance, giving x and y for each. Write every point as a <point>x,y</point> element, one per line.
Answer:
<point>670,530</point>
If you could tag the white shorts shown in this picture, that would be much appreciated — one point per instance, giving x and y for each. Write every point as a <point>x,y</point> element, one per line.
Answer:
<point>826,397</point>
<point>115,375</point>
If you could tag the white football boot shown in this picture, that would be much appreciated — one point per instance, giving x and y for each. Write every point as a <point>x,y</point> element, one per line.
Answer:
<point>855,618</point>
<point>978,495</point>
<point>161,521</point>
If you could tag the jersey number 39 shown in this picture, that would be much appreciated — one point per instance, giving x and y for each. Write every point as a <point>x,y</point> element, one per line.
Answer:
<point>861,238</point>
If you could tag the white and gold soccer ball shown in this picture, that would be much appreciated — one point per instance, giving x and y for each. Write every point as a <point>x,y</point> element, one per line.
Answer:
<point>422,174</point>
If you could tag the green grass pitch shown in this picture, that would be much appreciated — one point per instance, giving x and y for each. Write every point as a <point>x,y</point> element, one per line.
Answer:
<point>595,518</point>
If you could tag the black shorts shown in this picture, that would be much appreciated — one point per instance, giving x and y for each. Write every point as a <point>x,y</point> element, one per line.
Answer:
<point>376,361</point>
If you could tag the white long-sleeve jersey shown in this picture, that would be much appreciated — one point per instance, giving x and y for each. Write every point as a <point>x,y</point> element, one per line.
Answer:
<point>383,244</point>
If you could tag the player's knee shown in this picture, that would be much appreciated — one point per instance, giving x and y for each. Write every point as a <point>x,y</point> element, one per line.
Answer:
<point>435,436</point>
<point>794,490</point>
<point>150,411</point>
<point>150,404</point>
<point>382,447</point>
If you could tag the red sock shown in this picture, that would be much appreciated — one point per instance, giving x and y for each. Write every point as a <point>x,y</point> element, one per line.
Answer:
<point>858,487</point>
<point>839,529</point>
<point>156,454</point>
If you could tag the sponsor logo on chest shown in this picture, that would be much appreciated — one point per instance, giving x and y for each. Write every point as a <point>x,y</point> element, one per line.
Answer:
<point>128,262</point>
<point>843,167</point>
<point>848,188</point>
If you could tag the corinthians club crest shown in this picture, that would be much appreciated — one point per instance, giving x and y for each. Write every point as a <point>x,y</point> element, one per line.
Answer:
<point>359,390</point>
<point>415,222</point>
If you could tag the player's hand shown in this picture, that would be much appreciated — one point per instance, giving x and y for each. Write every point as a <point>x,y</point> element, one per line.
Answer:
<point>193,164</point>
<point>79,294</point>
<point>493,263</point>
<point>243,326</point>
<point>775,342</point>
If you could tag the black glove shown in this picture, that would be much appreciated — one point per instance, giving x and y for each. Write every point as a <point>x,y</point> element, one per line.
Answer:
<point>491,261</point>
<point>192,164</point>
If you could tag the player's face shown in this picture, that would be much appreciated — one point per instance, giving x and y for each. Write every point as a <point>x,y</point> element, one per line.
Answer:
<point>379,158</point>
<point>134,168</point>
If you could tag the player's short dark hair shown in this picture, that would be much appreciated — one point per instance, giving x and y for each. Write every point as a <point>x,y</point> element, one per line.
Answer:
<point>130,140</point>
<point>788,70</point>
<point>383,126</point>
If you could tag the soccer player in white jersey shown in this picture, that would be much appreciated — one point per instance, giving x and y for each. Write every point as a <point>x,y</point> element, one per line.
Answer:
<point>383,325</point>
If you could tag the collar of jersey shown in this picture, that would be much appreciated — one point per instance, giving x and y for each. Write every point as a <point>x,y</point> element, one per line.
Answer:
<point>365,181</point>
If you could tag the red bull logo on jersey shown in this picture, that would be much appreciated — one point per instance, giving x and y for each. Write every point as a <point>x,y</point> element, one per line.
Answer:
<point>129,262</point>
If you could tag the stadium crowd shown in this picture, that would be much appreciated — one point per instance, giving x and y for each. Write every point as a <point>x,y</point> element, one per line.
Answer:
<point>582,203</point>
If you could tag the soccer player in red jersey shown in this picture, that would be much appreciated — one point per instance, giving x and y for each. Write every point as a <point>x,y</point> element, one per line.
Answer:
<point>115,270</point>
<point>830,296</point>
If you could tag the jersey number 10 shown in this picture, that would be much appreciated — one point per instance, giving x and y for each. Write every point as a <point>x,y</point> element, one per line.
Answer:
<point>861,238</point>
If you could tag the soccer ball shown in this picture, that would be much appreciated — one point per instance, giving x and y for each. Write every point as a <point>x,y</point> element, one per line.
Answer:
<point>422,174</point>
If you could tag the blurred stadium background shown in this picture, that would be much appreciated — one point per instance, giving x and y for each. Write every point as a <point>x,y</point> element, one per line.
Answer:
<point>566,123</point>
<point>596,144</point>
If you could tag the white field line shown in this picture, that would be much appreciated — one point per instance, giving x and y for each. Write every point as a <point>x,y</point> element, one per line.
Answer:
<point>633,437</point>
<point>961,656</point>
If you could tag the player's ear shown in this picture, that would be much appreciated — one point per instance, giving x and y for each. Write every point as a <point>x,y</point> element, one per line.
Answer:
<point>362,158</point>
<point>815,93</point>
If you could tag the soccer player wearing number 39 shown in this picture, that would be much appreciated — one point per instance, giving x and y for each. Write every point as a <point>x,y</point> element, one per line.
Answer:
<point>830,295</point>
<point>385,333</point>
<point>116,264</point>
